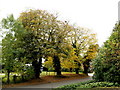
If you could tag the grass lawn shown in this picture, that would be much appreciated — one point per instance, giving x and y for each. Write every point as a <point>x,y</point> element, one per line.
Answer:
<point>44,73</point>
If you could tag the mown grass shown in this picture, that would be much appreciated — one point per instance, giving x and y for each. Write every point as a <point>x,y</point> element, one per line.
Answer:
<point>54,73</point>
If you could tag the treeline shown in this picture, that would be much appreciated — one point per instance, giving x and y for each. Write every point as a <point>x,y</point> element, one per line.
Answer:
<point>37,34</point>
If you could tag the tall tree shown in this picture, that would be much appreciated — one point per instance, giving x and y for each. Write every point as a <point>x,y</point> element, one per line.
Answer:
<point>9,43</point>
<point>7,54</point>
<point>90,54</point>
<point>81,39</point>
<point>36,22</point>
<point>109,60</point>
<point>47,33</point>
<point>68,57</point>
<point>57,41</point>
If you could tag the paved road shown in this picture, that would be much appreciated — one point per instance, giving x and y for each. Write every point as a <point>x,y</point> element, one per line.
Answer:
<point>57,84</point>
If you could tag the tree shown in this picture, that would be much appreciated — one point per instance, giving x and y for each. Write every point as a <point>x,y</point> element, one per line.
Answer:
<point>90,54</point>
<point>9,43</point>
<point>38,34</point>
<point>46,33</point>
<point>36,22</point>
<point>110,58</point>
<point>98,66</point>
<point>7,54</point>
<point>68,57</point>
<point>48,63</point>
<point>56,43</point>
<point>81,39</point>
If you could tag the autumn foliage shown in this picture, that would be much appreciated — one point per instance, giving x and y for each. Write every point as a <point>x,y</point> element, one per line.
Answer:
<point>38,35</point>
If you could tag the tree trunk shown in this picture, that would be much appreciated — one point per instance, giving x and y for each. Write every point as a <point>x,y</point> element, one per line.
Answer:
<point>86,66</point>
<point>70,69</point>
<point>57,65</point>
<point>77,69</point>
<point>37,65</point>
<point>8,76</point>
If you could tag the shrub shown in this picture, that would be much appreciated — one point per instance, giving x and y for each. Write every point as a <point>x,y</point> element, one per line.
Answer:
<point>98,84</point>
<point>73,86</point>
<point>87,84</point>
<point>29,73</point>
<point>17,80</point>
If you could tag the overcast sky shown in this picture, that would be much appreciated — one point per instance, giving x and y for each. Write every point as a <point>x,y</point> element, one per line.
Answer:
<point>97,15</point>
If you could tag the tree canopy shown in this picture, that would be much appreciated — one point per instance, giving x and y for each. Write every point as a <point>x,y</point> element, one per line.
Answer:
<point>37,35</point>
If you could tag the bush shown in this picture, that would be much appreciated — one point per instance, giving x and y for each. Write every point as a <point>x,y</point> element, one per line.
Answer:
<point>87,84</point>
<point>17,80</point>
<point>73,86</point>
<point>98,84</point>
<point>29,73</point>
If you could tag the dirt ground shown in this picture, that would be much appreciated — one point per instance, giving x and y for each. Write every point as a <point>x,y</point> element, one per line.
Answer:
<point>48,79</point>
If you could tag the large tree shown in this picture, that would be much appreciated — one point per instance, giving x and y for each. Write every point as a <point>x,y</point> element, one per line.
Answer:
<point>89,55</point>
<point>56,43</point>
<point>107,63</point>
<point>10,50</point>
<point>81,39</point>
<point>46,37</point>
<point>37,23</point>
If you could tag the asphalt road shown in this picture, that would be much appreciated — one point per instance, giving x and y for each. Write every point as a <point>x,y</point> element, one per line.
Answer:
<point>56,84</point>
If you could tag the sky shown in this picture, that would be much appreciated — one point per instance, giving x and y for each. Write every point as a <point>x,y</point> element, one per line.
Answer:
<point>98,15</point>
